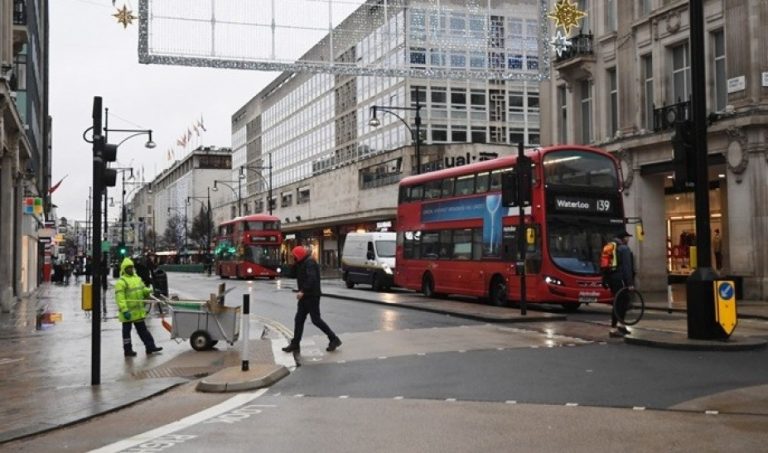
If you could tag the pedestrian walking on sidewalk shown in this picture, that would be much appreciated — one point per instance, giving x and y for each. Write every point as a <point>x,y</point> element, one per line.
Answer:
<point>617,264</point>
<point>308,295</point>
<point>130,293</point>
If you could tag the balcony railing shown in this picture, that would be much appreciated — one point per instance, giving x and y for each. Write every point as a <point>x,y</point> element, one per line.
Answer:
<point>665,116</point>
<point>581,45</point>
<point>19,12</point>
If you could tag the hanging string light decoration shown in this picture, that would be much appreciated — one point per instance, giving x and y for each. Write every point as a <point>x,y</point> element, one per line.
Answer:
<point>566,15</point>
<point>124,16</point>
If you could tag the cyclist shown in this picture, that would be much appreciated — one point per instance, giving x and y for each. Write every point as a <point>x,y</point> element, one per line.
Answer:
<point>618,266</point>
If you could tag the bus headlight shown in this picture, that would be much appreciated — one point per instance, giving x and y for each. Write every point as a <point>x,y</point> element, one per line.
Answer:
<point>553,281</point>
<point>250,271</point>
<point>278,270</point>
<point>387,269</point>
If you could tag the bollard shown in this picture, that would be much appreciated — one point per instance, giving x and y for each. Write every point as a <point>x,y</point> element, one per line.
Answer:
<point>246,325</point>
<point>670,298</point>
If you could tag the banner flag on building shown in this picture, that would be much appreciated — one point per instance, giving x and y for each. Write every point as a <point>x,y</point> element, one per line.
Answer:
<point>56,186</point>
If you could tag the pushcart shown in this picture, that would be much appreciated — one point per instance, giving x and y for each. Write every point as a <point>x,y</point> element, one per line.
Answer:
<point>204,322</point>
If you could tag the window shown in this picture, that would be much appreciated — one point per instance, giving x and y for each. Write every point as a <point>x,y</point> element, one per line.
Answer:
<point>586,25</point>
<point>610,16</point>
<point>465,185</point>
<point>447,187</point>
<point>286,200</point>
<point>562,101</point>
<point>613,106</point>
<point>479,134</point>
<point>433,189</point>
<point>462,244</point>
<point>459,134</point>
<point>646,66</point>
<point>439,133</point>
<point>481,185</point>
<point>721,83</point>
<point>681,74</point>
<point>644,8</point>
<point>586,111</point>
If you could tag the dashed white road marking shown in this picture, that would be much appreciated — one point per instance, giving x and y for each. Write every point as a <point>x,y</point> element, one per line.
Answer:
<point>712,412</point>
<point>184,423</point>
<point>398,397</point>
<point>638,408</point>
<point>510,402</point>
<point>344,397</point>
<point>450,400</point>
<point>571,404</point>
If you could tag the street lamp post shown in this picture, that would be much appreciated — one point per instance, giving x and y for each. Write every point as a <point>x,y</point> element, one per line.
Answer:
<point>259,170</point>
<point>122,207</point>
<point>237,193</point>
<point>375,122</point>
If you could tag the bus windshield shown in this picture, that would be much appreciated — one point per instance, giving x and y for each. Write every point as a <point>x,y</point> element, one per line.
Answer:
<point>385,249</point>
<point>575,246</point>
<point>580,169</point>
<point>267,256</point>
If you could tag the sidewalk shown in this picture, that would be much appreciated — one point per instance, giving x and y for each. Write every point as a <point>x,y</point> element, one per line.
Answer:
<point>46,374</point>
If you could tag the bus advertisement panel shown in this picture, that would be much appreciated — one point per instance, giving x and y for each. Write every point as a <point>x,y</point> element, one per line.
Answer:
<point>455,237</point>
<point>248,247</point>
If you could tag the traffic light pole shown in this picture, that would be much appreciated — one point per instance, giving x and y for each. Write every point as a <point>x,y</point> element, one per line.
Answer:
<point>98,188</point>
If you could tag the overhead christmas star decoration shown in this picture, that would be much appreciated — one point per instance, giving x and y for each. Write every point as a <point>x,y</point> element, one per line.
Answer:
<point>560,43</point>
<point>566,15</point>
<point>124,16</point>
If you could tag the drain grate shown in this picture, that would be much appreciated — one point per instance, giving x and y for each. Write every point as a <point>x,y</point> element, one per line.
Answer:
<point>185,372</point>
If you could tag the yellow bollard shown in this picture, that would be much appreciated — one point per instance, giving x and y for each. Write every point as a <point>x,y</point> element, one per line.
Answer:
<point>86,299</point>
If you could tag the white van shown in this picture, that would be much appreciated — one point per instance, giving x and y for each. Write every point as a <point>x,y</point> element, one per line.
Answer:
<point>369,258</point>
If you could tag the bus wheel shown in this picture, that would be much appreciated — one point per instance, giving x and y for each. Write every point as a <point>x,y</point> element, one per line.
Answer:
<point>377,284</point>
<point>497,294</point>
<point>571,308</point>
<point>428,285</point>
<point>350,284</point>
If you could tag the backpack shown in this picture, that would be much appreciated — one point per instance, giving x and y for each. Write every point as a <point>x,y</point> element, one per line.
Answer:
<point>608,259</point>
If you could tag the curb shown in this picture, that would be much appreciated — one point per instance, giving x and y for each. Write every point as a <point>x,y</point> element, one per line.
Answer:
<point>679,342</point>
<point>233,379</point>
<point>473,316</point>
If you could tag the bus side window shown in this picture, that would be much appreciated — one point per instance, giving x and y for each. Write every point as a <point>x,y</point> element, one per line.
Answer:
<point>496,180</point>
<point>446,244</point>
<point>481,186</point>
<point>462,244</point>
<point>509,244</point>
<point>465,185</point>
<point>430,243</point>
<point>447,187</point>
<point>477,243</point>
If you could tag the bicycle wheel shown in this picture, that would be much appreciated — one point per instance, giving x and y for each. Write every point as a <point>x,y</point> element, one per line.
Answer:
<point>628,306</point>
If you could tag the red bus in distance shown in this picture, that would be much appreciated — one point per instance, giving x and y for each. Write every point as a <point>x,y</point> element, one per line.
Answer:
<point>248,247</point>
<point>454,236</point>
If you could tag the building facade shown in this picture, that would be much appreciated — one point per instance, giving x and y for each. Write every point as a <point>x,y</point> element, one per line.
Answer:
<point>179,193</point>
<point>304,128</point>
<point>25,160</point>
<point>622,85</point>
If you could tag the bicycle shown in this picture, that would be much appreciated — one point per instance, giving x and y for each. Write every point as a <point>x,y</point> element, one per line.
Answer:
<point>632,303</point>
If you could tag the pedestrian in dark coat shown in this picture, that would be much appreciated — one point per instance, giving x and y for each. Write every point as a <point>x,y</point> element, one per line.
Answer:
<point>308,295</point>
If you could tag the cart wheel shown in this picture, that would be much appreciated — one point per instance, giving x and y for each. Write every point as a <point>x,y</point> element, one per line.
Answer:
<point>200,340</point>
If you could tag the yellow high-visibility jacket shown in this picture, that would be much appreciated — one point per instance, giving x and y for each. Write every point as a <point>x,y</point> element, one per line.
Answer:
<point>130,293</point>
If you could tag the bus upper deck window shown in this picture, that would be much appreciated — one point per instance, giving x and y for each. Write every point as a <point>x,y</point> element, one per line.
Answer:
<point>481,184</point>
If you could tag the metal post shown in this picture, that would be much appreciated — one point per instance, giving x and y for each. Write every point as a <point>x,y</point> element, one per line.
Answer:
<point>246,326</point>
<point>700,292</point>
<point>270,184</point>
<point>122,211</point>
<point>98,184</point>
<point>239,196</point>
<point>210,227</point>
<point>418,133</point>
<point>521,233</point>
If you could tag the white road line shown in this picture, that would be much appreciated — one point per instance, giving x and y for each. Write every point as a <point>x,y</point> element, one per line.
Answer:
<point>184,423</point>
<point>711,412</point>
<point>282,358</point>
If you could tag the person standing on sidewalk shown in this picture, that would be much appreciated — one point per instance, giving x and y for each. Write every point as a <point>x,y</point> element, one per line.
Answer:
<point>130,293</point>
<point>308,295</point>
<point>618,266</point>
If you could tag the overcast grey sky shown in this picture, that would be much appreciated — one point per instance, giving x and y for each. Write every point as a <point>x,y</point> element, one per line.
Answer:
<point>92,55</point>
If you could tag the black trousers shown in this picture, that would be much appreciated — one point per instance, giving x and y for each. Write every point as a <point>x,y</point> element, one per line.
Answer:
<point>141,329</point>
<point>616,284</point>
<point>309,305</point>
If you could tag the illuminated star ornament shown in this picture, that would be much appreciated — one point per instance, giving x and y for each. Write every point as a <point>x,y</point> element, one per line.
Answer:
<point>124,16</point>
<point>560,43</point>
<point>566,15</point>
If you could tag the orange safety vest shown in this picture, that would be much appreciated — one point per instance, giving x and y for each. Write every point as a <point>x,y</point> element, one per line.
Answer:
<point>608,260</point>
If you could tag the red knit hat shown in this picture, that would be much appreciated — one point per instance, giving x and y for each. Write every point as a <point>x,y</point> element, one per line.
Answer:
<point>299,253</point>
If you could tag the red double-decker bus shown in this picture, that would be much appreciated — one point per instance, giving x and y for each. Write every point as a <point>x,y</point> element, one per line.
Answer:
<point>248,247</point>
<point>454,236</point>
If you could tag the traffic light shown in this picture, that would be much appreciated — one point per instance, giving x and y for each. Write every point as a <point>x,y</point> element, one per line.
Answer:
<point>122,250</point>
<point>516,184</point>
<point>108,153</point>
<point>684,160</point>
